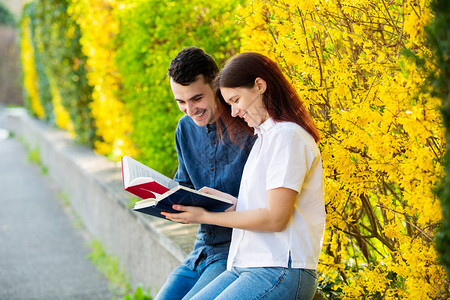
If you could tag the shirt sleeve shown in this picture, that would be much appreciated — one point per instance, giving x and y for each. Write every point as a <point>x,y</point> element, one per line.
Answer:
<point>288,160</point>
<point>181,176</point>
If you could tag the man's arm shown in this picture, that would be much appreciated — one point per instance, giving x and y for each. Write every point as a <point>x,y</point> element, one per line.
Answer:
<point>181,176</point>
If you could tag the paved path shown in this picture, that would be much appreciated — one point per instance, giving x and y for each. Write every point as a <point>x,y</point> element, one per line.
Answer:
<point>42,255</point>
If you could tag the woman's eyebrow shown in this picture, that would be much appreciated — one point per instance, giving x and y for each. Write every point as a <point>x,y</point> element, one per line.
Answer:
<point>230,99</point>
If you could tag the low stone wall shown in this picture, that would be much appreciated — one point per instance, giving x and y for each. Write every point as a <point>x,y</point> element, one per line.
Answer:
<point>148,248</point>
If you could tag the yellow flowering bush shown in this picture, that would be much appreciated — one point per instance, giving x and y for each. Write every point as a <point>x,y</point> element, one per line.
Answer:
<point>99,27</point>
<point>382,136</point>
<point>103,64</point>
<point>46,102</point>
<point>29,70</point>
<point>63,68</point>
<point>62,118</point>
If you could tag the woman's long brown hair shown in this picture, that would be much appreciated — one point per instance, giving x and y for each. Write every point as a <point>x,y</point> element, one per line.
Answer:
<point>280,98</point>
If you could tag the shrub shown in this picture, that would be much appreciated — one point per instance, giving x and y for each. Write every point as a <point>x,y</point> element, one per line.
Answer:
<point>151,34</point>
<point>58,37</point>
<point>439,85</point>
<point>6,17</point>
<point>99,27</point>
<point>30,75</point>
<point>382,138</point>
<point>106,63</point>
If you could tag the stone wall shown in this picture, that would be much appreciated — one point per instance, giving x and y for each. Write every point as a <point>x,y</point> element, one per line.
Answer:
<point>148,248</point>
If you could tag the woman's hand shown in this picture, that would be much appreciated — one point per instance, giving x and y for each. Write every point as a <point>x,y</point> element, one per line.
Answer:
<point>214,192</point>
<point>187,214</point>
<point>198,215</point>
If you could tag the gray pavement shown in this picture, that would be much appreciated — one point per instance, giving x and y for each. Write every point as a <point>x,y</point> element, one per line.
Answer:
<point>42,255</point>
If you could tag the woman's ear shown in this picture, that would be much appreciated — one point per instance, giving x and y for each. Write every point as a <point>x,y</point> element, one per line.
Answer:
<point>261,85</point>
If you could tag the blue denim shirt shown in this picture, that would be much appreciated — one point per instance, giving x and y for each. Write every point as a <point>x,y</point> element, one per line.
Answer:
<point>205,160</point>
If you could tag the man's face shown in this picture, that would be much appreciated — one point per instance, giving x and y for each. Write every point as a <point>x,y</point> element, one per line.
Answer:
<point>196,100</point>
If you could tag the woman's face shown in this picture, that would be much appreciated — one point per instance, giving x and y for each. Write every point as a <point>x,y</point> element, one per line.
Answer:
<point>246,103</point>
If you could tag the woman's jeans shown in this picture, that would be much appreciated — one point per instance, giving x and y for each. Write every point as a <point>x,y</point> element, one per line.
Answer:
<point>183,283</point>
<point>261,283</point>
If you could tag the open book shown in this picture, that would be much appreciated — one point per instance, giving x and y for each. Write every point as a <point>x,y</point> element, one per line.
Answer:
<point>160,192</point>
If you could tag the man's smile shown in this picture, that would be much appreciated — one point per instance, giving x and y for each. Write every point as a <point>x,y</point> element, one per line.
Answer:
<point>200,114</point>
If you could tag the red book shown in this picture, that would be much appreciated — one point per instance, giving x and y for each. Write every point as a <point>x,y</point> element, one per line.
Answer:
<point>143,181</point>
<point>160,192</point>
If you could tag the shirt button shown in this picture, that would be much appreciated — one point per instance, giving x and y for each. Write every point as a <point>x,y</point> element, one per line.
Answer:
<point>214,142</point>
<point>212,168</point>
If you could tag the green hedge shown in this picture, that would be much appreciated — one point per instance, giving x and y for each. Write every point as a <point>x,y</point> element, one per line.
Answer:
<point>43,85</point>
<point>66,63</point>
<point>439,82</point>
<point>58,57</point>
<point>6,17</point>
<point>152,33</point>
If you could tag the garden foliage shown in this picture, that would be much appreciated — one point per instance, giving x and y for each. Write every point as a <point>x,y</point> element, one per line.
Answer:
<point>63,91</point>
<point>100,26</point>
<point>439,85</point>
<point>6,17</point>
<point>58,40</point>
<point>382,136</point>
<point>39,96</point>
<point>151,34</point>
<point>115,55</point>
<point>28,60</point>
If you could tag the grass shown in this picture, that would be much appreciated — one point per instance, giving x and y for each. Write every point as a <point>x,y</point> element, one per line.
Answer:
<point>77,221</point>
<point>64,198</point>
<point>139,294</point>
<point>34,156</point>
<point>132,201</point>
<point>109,266</point>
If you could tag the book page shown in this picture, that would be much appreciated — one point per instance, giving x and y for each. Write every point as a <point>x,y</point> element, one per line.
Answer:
<point>140,180</point>
<point>133,169</point>
<point>207,195</point>
<point>145,203</point>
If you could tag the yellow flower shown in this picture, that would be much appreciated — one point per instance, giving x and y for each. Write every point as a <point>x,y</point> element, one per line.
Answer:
<point>381,135</point>
<point>29,66</point>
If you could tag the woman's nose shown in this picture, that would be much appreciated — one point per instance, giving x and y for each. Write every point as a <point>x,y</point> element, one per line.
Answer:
<point>234,111</point>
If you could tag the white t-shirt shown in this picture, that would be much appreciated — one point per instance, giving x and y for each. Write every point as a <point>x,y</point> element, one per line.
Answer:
<point>284,155</point>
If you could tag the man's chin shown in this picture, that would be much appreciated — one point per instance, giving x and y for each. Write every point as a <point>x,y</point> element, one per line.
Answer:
<point>203,121</point>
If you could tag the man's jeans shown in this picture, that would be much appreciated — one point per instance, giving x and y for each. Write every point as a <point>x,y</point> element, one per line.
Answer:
<point>184,282</point>
<point>262,283</point>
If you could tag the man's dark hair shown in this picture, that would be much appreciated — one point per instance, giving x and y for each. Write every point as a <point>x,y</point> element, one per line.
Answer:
<point>191,62</point>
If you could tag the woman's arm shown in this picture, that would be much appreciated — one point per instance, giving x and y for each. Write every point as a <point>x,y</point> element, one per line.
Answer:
<point>273,218</point>
<point>211,191</point>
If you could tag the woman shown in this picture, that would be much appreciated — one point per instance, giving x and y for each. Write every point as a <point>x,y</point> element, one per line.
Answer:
<point>279,217</point>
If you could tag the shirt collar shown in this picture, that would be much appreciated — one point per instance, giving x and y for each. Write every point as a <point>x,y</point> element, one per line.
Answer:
<point>211,127</point>
<point>265,126</point>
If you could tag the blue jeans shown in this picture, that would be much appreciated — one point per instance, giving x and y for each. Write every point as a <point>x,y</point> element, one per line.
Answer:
<point>183,282</point>
<point>261,283</point>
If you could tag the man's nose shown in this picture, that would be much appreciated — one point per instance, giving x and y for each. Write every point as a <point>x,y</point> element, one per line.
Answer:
<point>190,109</point>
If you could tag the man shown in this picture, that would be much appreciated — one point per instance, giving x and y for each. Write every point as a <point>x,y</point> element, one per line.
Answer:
<point>204,160</point>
